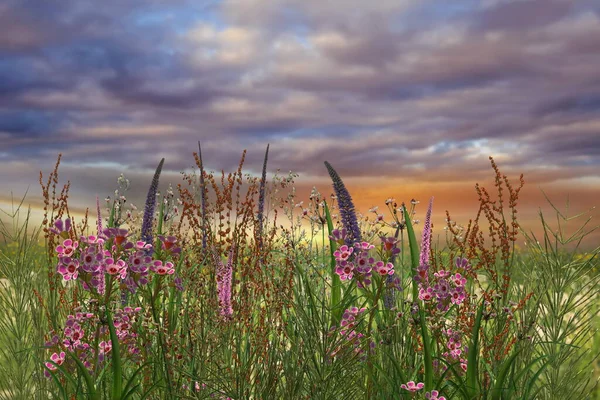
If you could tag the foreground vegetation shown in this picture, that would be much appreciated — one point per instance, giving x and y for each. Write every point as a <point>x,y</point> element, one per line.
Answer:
<point>205,294</point>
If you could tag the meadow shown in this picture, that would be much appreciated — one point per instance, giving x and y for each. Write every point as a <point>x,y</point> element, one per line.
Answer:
<point>207,294</point>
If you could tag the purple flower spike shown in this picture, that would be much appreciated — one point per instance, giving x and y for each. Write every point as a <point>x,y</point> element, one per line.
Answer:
<point>150,205</point>
<point>426,243</point>
<point>346,207</point>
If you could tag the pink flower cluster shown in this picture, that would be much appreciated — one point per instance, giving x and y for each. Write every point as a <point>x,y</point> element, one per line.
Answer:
<point>80,330</point>
<point>455,350</point>
<point>349,331</point>
<point>89,261</point>
<point>224,274</point>
<point>355,262</point>
<point>445,289</point>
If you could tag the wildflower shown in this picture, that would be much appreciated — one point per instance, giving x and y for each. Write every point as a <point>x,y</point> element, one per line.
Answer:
<point>162,269</point>
<point>150,205</point>
<point>68,268</point>
<point>338,236</point>
<point>345,205</point>
<point>426,240</point>
<point>56,359</point>
<point>115,268</point>
<point>61,229</point>
<point>224,278</point>
<point>168,244</point>
<point>462,263</point>
<point>343,253</point>
<point>345,270</point>
<point>433,395</point>
<point>384,269</point>
<point>458,280</point>
<point>412,387</point>
<point>67,249</point>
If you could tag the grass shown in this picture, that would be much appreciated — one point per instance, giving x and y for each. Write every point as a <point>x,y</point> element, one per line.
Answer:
<point>526,329</point>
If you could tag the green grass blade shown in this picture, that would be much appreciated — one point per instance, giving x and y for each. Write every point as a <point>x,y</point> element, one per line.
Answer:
<point>336,283</point>
<point>473,355</point>
<point>414,259</point>
<point>499,386</point>
<point>116,359</point>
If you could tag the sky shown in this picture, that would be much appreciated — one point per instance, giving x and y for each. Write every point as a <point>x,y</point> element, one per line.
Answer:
<point>405,98</point>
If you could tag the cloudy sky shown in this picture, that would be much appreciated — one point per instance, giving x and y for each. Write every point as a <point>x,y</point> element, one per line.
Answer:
<point>405,98</point>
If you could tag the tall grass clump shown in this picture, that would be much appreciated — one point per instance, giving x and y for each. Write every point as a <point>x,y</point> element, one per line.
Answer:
<point>21,336</point>
<point>208,292</point>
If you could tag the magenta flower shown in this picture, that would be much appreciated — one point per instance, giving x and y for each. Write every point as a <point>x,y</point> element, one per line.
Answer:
<point>67,249</point>
<point>433,395</point>
<point>384,269</point>
<point>345,270</point>
<point>57,359</point>
<point>412,387</point>
<point>168,244</point>
<point>338,236</point>
<point>61,229</point>
<point>462,263</point>
<point>68,268</point>
<point>343,253</point>
<point>162,269</point>
<point>458,280</point>
<point>115,268</point>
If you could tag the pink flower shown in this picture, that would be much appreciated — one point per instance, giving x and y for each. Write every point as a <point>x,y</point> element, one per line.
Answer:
<point>159,268</point>
<point>343,253</point>
<point>57,359</point>
<point>67,249</point>
<point>412,387</point>
<point>115,268</point>
<point>459,280</point>
<point>60,228</point>
<point>168,244</point>
<point>462,263</point>
<point>426,294</point>
<point>383,270</point>
<point>68,268</point>
<point>433,395</point>
<point>345,270</point>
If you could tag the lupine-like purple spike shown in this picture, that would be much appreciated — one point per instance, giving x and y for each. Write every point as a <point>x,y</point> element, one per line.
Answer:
<point>150,205</point>
<point>99,215</point>
<point>346,207</point>
<point>203,199</point>
<point>426,239</point>
<point>261,198</point>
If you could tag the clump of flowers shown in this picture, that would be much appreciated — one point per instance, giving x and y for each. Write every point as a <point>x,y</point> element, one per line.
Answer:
<point>350,333</point>
<point>82,330</point>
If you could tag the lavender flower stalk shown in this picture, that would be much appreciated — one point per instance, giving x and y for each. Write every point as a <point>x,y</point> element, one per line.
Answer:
<point>426,243</point>
<point>224,279</point>
<point>261,199</point>
<point>346,207</point>
<point>203,198</point>
<point>150,205</point>
<point>99,215</point>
